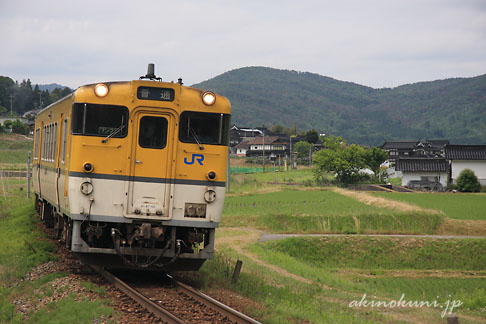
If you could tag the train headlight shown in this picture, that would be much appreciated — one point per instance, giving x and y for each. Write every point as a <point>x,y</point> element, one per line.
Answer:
<point>88,167</point>
<point>101,90</point>
<point>210,196</point>
<point>209,98</point>
<point>86,188</point>
<point>211,175</point>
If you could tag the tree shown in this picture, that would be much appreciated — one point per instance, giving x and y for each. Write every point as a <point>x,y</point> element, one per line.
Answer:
<point>7,124</point>
<point>6,89</point>
<point>312,136</point>
<point>20,128</point>
<point>303,149</point>
<point>467,181</point>
<point>333,142</point>
<point>344,161</point>
<point>277,129</point>
<point>373,158</point>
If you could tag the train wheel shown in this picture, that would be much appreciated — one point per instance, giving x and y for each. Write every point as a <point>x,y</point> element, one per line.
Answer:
<point>67,233</point>
<point>59,226</point>
<point>47,215</point>
<point>37,205</point>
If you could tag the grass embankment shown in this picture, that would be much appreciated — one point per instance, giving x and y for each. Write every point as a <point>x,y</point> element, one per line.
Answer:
<point>467,206</point>
<point>314,280</point>
<point>321,211</point>
<point>14,149</point>
<point>256,182</point>
<point>336,271</point>
<point>23,247</point>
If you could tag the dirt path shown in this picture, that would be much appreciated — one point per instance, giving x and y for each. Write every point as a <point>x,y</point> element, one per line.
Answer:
<point>239,238</point>
<point>238,242</point>
<point>449,226</point>
<point>380,202</point>
<point>274,237</point>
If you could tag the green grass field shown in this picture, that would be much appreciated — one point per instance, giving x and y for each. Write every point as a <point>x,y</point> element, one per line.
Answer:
<point>334,271</point>
<point>22,247</point>
<point>467,206</point>
<point>321,211</point>
<point>247,183</point>
<point>14,150</point>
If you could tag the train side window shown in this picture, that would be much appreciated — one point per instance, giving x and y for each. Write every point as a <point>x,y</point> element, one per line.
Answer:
<point>36,147</point>
<point>51,142</point>
<point>48,143</point>
<point>64,140</point>
<point>153,132</point>
<point>54,142</point>
<point>204,128</point>
<point>43,146</point>
<point>99,120</point>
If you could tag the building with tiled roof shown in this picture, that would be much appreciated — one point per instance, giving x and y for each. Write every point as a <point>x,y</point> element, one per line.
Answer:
<point>424,173</point>
<point>471,157</point>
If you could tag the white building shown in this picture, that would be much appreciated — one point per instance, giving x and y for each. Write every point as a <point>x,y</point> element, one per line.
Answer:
<point>421,173</point>
<point>467,157</point>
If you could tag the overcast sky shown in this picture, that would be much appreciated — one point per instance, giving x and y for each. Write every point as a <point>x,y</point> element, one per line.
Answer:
<point>375,43</point>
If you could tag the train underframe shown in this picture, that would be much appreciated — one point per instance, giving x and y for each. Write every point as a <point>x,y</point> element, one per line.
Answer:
<point>142,244</point>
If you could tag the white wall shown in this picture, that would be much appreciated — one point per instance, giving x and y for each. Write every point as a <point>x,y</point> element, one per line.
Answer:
<point>407,176</point>
<point>479,168</point>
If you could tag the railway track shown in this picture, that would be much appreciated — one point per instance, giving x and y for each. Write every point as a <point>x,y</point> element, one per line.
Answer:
<point>178,303</point>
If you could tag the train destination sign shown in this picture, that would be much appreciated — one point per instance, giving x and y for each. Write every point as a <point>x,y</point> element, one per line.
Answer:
<point>152,93</point>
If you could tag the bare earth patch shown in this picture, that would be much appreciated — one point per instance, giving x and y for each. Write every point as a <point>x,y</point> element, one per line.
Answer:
<point>411,273</point>
<point>462,227</point>
<point>380,202</point>
<point>238,242</point>
<point>449,226</point>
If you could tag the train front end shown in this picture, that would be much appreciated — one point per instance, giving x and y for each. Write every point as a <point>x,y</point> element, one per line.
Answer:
<point>147,174</point>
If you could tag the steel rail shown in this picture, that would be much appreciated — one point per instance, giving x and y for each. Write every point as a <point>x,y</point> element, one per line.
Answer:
<point>140,298</point>
<point>221,308</point>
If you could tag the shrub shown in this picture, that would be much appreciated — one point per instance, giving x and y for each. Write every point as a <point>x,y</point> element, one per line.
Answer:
<point>467,181</point>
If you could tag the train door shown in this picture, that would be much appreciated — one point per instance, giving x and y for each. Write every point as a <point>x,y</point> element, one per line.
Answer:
<point>150,165</point>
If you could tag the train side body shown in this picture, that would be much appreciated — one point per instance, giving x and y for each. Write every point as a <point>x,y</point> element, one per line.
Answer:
<point>135,178</point>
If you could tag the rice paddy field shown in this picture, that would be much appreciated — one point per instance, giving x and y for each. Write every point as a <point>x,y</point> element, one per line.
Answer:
<point>469,206</point>
<point>344,278</point>
<point>351,278</point>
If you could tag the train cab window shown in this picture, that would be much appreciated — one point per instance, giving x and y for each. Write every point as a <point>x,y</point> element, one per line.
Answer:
<point>204,128</point>
<point>153,132</point>
<point>100,120</point>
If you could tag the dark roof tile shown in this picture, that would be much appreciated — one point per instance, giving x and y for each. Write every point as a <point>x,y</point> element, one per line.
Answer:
<point>422,165</point>
<point>465,152</point>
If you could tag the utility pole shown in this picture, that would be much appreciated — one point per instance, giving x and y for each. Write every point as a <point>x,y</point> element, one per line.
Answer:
<point>291,156</point>
<point>263,151</point>
<point>28,175</point>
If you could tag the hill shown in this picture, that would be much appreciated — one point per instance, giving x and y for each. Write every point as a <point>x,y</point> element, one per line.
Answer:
<point>51,87</point>
<point>453,109</point>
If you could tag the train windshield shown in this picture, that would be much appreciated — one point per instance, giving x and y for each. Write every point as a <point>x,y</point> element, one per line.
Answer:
<point>204,128</point>
<point>100,120</point>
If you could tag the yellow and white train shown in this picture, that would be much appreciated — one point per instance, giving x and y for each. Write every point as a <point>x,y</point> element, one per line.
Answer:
<point>132,174</point>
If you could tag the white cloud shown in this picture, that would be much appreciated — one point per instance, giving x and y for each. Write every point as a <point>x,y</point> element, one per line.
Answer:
<point>377,43</point>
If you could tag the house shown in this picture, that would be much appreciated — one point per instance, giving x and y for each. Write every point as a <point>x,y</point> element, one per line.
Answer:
<point>274,147</point>
<point>241,148</point>
<point>467,157</point>
<point>239,134</point>
<point>414,149</point>
<point>424,173</point>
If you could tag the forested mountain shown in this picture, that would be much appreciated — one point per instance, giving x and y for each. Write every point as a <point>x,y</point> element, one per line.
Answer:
<point>22,97</point>
<point>453,109</point>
